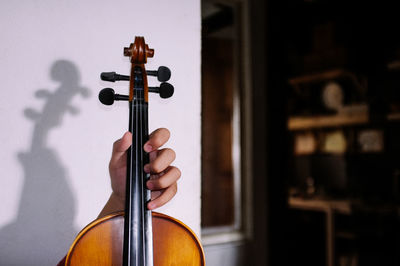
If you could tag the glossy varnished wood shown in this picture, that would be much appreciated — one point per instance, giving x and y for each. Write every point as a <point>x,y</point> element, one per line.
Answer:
<point>101,243</point>
<point>138,52</point>
<point>174,243</point>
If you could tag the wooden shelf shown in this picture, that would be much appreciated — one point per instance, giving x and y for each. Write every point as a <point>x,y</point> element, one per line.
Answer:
<point>308,122</point>
<point>321,121</point>
<point>314,204</point>
<point>330,208</point>
<point>326,76</point>
<point>393,117</point>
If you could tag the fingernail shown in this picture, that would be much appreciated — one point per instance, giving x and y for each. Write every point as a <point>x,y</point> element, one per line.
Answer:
<point>150,185</point>
<point>146,168</point>
<point>151,205</point>
<point>147,147</point>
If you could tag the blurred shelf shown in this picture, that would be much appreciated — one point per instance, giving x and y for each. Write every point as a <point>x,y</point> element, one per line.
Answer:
<point>345,235</point>
<point>393,116</point>
<point>320,121</point>
<point>315,204</point>
<point>330,208</point>
<point>395,65</point>
<point>326,76</point>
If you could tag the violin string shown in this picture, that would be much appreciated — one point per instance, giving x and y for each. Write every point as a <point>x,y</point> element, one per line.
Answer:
<point>148,216</point>
<point>142,183</point>
<point>142,179</point>
<point>130,215</point>
<point>137,183</point>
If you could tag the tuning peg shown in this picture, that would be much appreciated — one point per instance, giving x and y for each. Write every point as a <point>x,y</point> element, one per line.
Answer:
<point>112,76</point>
<point>107,96</point>
<point>163,73</point>
<point>165,90</point>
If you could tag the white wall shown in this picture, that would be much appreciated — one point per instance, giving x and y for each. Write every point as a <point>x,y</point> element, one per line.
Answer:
<point>56,137</point>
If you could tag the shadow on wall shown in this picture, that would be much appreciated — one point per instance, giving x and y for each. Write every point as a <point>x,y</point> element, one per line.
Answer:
<point>43,229</point>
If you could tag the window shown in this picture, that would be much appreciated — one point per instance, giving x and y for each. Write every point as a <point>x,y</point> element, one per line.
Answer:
<point>223,136</point>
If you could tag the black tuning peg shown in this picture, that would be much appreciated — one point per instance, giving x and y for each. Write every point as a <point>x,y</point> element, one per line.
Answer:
<point>112,76</point>
<point>107,96</point>
<point>163,73</point>
<point>165,90</point>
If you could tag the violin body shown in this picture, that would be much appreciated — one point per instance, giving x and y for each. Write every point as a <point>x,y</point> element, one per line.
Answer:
<point>101,243</point>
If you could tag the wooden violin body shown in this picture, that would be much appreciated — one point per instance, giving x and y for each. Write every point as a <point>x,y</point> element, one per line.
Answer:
<point>137,236</point>
<point>101,243</point>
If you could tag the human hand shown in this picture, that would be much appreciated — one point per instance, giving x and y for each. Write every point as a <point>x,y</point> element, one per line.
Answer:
<point>163,176</point>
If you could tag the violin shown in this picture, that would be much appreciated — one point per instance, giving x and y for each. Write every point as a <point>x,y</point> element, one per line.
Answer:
<point>137,236</point>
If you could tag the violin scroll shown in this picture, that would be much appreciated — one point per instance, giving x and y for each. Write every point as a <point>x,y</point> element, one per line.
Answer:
<point>138,51</point>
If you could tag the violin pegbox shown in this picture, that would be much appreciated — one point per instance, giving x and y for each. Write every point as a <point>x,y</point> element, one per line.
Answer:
<point>138,52</point>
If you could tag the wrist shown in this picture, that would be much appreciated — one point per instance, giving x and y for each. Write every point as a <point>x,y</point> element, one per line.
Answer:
<point>117,201</point>
<point>114,204</point>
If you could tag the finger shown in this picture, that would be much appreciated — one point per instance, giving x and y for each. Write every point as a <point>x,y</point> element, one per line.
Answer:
<point>156,139</point>
<point>169,177</point>
<point>163,198</point>
<point>164,158</point>
<point>120,146</point>
<point>153,155</point>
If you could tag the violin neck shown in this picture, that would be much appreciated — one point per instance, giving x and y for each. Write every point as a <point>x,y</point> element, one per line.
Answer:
<point>138,238</point>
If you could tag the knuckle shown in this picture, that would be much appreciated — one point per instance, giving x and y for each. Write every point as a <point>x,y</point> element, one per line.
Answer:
<point>174,189</point>
<point>162,130</point>
<point>157,141</point>
<point>177,173</point>
<point>161,183</point>
<point>170,153</point>
<point>166,132</point>
<point>156,167</point>
<point>160,136</point>
<point>115,144</point>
